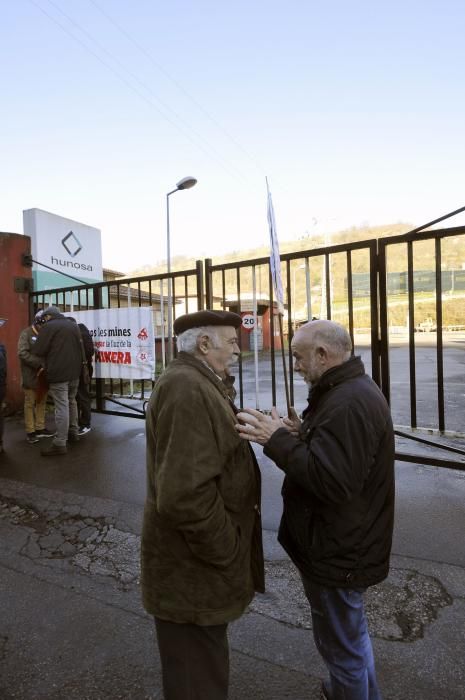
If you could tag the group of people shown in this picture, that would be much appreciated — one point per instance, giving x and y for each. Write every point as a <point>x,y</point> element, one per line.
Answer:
<point>55,355</point>
<point>201,548</point>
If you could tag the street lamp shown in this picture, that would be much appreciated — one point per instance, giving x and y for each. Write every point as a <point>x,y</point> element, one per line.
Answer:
<point>184,184</point>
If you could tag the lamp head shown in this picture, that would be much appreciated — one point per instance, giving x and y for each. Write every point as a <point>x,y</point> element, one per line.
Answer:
<point>186,183</point>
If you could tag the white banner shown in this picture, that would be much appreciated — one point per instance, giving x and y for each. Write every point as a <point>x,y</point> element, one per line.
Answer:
<point>124,342</point>
<point>275,260</point>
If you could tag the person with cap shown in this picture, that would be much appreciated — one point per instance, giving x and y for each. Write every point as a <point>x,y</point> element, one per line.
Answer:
<point>59,344</point>
<point>338,495</point>
<point>201,547</point>
<point>32,370</point>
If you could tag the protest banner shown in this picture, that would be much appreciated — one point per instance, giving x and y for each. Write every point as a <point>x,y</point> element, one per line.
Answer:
<point>124,342</point>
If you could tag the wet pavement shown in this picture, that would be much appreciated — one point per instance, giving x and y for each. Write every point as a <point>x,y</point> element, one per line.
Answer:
<point>72,625</point>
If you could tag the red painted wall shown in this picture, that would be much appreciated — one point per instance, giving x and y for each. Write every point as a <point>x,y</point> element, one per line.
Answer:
<point>267,330</point>
<point>14,306</point>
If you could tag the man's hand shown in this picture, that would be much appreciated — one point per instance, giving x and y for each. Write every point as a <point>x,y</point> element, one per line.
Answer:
<point>292,422</point>
<point>256,427</point>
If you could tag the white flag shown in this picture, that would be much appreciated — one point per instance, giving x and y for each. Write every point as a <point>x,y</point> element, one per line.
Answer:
<point>275,260</point>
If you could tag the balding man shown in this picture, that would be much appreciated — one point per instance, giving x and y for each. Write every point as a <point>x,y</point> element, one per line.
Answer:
<point>202,556</point>
<point>338,497</point>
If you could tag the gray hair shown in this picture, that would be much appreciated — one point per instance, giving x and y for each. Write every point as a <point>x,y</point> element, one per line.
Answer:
<point>187,341</point>
<point>331,335</point>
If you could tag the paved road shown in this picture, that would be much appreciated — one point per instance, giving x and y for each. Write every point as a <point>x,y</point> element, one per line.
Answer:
<point>257,381</point>
<point>426,381</point>
<point>72,625</point>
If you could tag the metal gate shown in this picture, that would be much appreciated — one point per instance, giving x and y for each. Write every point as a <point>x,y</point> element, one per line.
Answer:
<point>400,297</point>
<point>363,285</point>
<point>168,295</point>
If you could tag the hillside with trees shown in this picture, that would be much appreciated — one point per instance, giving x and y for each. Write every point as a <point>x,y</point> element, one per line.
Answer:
<point>452,259</point>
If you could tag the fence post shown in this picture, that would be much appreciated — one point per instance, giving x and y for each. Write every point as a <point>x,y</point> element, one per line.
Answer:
<point>99,383</point>
<point>199,279</point>
<point>208,284</point>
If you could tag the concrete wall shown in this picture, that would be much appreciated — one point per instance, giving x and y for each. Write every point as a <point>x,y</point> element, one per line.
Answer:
<point>14,306</point>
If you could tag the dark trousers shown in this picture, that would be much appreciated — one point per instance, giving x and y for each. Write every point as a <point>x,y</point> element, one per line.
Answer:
<point>194,660</point>
<point>84,402</point>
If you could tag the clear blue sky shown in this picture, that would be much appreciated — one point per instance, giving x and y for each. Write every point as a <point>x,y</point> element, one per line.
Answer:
<point>354,110</point>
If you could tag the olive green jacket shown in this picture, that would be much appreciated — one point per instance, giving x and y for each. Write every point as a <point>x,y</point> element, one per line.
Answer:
<point>202,555</point>
<point>30,363</point>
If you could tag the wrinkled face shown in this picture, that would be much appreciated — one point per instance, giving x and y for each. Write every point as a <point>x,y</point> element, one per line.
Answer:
<point>307,359</point>
<point>227,353</point>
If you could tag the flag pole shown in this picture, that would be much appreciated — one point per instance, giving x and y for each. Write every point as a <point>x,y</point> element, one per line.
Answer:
<point>286,381</point>
<point>275,267</point>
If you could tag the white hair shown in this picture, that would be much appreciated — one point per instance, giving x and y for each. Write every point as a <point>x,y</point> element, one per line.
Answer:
<point>330,334</point>
<point>187,341</point>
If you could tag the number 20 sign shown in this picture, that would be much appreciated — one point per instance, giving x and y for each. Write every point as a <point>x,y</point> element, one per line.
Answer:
<point>248,322</point>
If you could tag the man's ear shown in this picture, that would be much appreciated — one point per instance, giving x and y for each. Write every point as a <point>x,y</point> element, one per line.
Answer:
<point>203,344</point>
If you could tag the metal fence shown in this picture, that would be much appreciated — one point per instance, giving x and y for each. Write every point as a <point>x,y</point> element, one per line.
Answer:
<point>127,397</point>
<point>401,298</point>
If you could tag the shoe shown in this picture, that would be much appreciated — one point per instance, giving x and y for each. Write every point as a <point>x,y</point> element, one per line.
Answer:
<point>53,449</point>
<point>44,433</point>
<point>32,438</point>
<point>73,437</point>
<point>83,430</point>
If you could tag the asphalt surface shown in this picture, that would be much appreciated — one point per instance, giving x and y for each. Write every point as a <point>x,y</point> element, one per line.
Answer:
<point>424,371</point>
<point>72,625</point>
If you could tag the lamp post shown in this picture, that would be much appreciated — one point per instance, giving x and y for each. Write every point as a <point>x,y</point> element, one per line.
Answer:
<point>184,184</point>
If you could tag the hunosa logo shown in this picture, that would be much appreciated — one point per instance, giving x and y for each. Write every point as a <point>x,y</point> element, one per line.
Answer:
<point>72,246</point>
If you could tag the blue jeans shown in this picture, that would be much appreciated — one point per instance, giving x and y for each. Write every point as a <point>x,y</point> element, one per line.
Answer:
<point>341,636</point>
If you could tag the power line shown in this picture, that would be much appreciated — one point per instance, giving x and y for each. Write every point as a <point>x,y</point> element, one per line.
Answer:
<point>185,131</point>
<point>180,87</point>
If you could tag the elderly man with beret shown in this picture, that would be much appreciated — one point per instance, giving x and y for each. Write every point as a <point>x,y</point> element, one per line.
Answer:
<point>202,556</point>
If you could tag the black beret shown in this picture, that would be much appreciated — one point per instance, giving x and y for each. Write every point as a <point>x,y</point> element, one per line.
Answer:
<point>206,318</point>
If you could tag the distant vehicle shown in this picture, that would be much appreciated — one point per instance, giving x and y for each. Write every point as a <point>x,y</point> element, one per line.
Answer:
<point>427,326</point>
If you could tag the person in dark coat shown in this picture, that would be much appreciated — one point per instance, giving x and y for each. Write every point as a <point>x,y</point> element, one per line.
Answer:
<point>59,344</point>
<point>201,549</point>
<point>83,398</point>
<point>338,495</point>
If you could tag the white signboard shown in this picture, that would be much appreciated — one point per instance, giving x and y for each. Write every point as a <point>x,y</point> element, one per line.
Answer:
<point>124,342</point>
<point>65,246</point>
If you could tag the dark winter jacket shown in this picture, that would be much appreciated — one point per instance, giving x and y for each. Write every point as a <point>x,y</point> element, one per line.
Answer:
<point>87,342</point>
<point>29,361</point>
<point>59,342</point>
<point>202,555</point>
<point>339,487</point>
